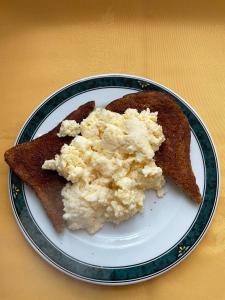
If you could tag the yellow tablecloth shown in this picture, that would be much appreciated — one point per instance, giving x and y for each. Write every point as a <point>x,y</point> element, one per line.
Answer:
<point>47,44</point>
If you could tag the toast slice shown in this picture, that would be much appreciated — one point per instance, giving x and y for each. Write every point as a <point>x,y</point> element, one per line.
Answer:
<point>174,154</point>
<point>26,160</point>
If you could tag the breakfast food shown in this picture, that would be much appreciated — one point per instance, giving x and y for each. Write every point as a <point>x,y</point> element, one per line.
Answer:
<point>173,157</point>
<point>26,160</point>
<point>108,166</point>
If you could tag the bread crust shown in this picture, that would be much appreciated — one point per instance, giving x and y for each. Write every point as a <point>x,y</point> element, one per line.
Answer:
<point>26,160</point>
<point>174,154</point>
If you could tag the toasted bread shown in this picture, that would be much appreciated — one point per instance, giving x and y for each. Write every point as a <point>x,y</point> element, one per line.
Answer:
<point>26,160</point>
<point>174,154</point>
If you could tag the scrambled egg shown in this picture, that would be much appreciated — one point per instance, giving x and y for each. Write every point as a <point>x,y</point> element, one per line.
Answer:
<point>108,167</point>
<point>69,128</point>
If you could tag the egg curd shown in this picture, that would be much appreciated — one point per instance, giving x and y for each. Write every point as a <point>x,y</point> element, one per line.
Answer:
<point>108,167</point>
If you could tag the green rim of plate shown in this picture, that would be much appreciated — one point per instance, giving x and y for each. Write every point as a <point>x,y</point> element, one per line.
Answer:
<point>123,274</point>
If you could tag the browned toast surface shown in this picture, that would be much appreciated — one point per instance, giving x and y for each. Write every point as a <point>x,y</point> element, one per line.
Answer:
<point>174,154</point>
<point>26,160</point>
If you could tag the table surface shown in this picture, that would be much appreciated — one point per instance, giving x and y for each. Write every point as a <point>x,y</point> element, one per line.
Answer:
<point>47,44</point>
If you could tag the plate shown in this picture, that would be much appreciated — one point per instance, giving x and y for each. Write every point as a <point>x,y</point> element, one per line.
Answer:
<point>138,249</point>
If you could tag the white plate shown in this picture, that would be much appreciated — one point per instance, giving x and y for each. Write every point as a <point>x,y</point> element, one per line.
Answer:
<point>148,244</point>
